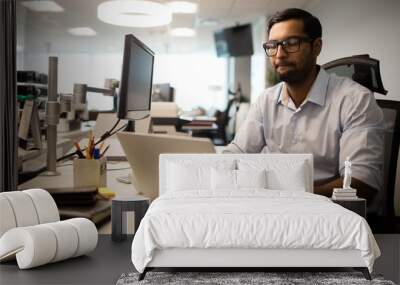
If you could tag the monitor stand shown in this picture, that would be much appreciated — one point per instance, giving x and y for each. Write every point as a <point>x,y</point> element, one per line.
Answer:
<point>130,126</point>
<point>125,179</point>
<point>143,126</point>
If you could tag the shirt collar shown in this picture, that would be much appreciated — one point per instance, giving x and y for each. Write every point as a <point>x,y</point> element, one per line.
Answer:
<point>316,95</point>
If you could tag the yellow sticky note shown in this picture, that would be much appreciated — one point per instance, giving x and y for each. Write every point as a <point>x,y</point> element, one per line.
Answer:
<point>106,192</point>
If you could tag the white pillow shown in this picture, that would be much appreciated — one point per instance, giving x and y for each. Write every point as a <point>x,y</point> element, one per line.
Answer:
<point>225,179</point>
<point>280,174</point>
<point>190,175</point>
<point>251,178</point>
<point>181,177</point>
<point>292,179</point>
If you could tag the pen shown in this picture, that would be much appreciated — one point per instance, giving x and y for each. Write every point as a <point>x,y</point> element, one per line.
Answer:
<point>102,154</point>
<point>78,150</point>
<point>91,145</point>
<point>96,153</point>
<point>101,146</point>
<point>88,149</point>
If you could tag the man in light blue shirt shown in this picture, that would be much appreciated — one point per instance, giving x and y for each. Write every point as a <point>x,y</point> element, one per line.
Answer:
<point>311,111</point>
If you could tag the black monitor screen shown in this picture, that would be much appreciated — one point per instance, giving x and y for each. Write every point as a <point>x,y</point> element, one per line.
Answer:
<point>235,41</point>
<point>220,44</point>
<point>136,80</point>
<point>163,93</point>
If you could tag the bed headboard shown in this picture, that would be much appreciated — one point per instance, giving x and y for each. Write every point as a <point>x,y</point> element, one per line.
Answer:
<point>204,159</point>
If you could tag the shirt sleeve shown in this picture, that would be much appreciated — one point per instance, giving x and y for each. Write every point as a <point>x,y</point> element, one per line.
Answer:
<point>250,136</point>
<point>362,138</point>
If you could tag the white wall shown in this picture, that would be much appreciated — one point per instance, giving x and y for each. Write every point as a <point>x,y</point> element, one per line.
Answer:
<point>259,59</point>
<point>199,79</point>
<point>21,34</point>
<point>250,71</point>
<point>242,75</point>
<point>352,27</point>
<point>90,69</point>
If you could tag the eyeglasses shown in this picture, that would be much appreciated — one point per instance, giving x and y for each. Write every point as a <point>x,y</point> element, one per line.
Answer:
<point>290,45</point>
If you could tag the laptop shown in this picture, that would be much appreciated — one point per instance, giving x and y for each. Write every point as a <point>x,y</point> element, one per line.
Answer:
<point>143,150</point>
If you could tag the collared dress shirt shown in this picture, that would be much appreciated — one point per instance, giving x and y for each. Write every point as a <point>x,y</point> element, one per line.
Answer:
<point>338,119</point>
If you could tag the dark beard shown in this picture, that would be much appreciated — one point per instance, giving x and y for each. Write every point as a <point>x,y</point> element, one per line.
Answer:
<point>297,76</point>
<point>293,77</point>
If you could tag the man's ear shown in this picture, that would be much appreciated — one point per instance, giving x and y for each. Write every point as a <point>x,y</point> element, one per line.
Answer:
<point>317,46</point>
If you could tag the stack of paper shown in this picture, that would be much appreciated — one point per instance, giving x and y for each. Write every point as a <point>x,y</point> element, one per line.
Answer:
<point>344,194</point>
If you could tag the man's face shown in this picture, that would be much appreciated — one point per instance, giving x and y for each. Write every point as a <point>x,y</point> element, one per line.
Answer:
<point>292,67</point>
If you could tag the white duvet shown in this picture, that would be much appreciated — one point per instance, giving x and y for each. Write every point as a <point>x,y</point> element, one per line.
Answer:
<point>250,219</point>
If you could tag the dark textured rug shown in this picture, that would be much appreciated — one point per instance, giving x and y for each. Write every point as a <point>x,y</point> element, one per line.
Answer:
<point>229,278</point>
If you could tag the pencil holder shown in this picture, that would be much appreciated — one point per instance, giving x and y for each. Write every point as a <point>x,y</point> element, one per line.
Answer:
<point>90,172</point>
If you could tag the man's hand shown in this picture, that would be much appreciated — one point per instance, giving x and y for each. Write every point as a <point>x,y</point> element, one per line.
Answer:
<point>363,189</point>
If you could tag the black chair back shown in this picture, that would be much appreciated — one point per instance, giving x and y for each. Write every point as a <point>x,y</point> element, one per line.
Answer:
<point>391,112</point>
<point>366,71</point>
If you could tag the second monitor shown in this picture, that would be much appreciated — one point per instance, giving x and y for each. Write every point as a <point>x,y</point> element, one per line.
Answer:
<point>163,92</point>
<point>136,80</point>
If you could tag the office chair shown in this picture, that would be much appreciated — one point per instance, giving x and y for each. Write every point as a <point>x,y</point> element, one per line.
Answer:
<point>388,221</point>
<point>366,71</point>
<point>226,120</point>
<point>391,112</point>
<point>361,68</point>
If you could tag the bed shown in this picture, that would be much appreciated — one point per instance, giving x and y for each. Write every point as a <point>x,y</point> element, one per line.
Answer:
<point>246,211</point>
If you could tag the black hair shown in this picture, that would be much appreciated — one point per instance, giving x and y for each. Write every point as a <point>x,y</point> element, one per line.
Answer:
<point>312,26</point>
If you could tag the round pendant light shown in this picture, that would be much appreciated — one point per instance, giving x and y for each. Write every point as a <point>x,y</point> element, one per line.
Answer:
<point>182,7</point>
<point>135,13</point>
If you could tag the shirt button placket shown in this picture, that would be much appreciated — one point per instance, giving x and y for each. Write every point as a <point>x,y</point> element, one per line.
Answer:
<point>293,128</point>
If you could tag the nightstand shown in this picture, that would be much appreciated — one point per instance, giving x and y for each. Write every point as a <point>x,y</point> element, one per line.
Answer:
<point>358,205</point>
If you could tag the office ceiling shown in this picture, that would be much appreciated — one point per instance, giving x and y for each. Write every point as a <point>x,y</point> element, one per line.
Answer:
<point>48,32</point>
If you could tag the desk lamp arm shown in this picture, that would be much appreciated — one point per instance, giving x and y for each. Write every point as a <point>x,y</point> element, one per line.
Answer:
<point>52,117</point>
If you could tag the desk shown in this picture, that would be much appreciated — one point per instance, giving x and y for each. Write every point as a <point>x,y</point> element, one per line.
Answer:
<point>212,127</point>
<point>31,160</point>
<point>65,179</point>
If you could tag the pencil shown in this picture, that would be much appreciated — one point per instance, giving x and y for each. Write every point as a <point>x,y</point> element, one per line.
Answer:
<point>102,154</point>
<point>89,147</point>
<point>101,146</point>
<point>78,150</point>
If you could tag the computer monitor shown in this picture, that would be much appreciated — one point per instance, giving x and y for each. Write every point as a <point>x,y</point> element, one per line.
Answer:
<point>163,93</point>
<point>235,41</point>
<point>136,80</point>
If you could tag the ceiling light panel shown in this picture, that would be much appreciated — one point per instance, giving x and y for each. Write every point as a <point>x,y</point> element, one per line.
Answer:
<point>182,7</point>
<point>139,14</point>
<point>42,6</point>
<point>183,32</point>
<point>208,22</point>
<point>82,32</point>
